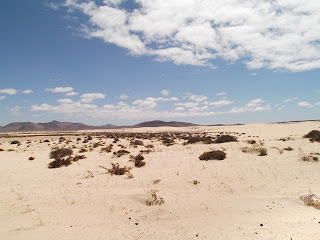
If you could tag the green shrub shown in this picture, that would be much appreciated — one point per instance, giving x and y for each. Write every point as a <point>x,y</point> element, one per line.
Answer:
<point>213,155</point>
<point>60,153</point>
<point>225,138</point>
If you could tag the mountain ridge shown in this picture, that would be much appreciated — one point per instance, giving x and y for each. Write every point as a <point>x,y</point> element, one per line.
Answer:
<point>69,126</point>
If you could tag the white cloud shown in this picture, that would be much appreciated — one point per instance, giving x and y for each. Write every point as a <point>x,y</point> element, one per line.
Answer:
<point>27,91</point>
<point>179,109</point>
<point>221,94</point>
<point>147,103</point>
<point>252,106</point>
<point>123,96</point>
<point>59,89</point>
<point>187,105</point>
<point>65,100</point>
<point>220,103</point>
<point>69,94</point>
<point>15,110</point>
<point>197,98</point>
<point>279,34</point>
<point>90,97</point>
<point>9,91</point>
<point>304,104</point>
<point>165,92</point>
<point>2,97</point>
<point>290,99</point>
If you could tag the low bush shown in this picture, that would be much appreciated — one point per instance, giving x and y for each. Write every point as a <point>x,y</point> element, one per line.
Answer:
<point>136,142</point>
<point>31,158</point>
<point>155,199</point>
<point>120,153</point>
<point>116,169</point>
<point>60,153</point>
<point>15,142</point>
<point>57,163</point>
<point>311,200</point>
<point>262,151</point>
<point>225,138</point>
<point>314,136</point>
<point>138,160</point>
<point>213,155</point>
<point>107,149</point>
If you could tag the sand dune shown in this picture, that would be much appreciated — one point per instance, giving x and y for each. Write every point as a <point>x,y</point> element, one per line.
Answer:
<point>245,196</point>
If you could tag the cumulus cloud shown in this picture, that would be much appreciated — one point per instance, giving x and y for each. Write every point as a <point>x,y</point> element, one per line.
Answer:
<point>2,97</point>
<point>252,106</point>
<point>27,91</point>
<point>69,94</point>
<point>197,98</point>
<point>187,105</point>
<point>151,102</point>
<point>165,92</point>
<point>221,94</point>
<point>304,104</point>
<point>65,100</point>
<point>220,103</point>
<point>123,96</point>
<point>59,89</point>
<point>275,34</point>
<point>9,91</point>
<point>290,99</point>
<point>90,97</point>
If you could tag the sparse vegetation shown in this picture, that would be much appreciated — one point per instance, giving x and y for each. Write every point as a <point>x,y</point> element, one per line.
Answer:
<point>311,200</point>
<point>225,138</point>
<point>155,199</point>
<point>121,152</point>
<point>31,158</point>
<point>213,155</point>
<point>60,153</point>
<point>314,136</point>
<point>138,160</point>
<point>251,141</point>
<point>288,149</point>
<point>15,142</point>
<point>262,151</point>
<point>107,149</point>
<point>136,143</point>
<point>116,169</point>
<point>57,163</point>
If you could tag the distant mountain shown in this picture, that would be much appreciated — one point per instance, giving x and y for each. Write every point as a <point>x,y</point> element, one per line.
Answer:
<point>158,123</point>
<point>68,126</point>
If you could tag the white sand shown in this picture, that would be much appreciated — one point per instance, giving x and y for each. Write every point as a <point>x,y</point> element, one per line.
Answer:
<point>234,197</point>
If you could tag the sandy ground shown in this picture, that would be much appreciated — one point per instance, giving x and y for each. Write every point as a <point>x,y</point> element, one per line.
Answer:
<point>245,196</point>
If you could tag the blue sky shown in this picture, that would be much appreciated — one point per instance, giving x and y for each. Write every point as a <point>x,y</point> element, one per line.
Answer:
<point>123,62</point>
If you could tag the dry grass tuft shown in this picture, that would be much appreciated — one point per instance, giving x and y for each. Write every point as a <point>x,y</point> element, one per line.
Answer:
<point>311,200</point>
<point>155,199</point>
<point>116,169</point>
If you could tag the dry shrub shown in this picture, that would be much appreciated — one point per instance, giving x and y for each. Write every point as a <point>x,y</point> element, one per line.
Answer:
<point>116,169</point>
<point>262,151</point>
<point>31,158</point>
<point>288,149</point>
<point>136,143</point>
<point>311,200</point>
<point>121,153</point>
<point>225,138</point>
<point>15,142</point>
<point>213,155</point>
<point>149,146</point>
<point>313,136</point>
<point>251,141</point>
<point>1,149</point>
<point>60,153</point>
<point>57,163</point>
<point>82,150</point>
<point>107,149</point>
<point>155,199</point>
<point>137,160</point>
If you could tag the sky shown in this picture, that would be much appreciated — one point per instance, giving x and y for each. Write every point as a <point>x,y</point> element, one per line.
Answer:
<point>124,62</point>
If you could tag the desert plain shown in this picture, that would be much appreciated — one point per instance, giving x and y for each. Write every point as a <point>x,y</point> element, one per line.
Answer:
<point>175,195</point>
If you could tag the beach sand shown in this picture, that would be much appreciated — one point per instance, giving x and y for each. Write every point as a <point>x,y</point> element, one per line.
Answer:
<point>245,196</point>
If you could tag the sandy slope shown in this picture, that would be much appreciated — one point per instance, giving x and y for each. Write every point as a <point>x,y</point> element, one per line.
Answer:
<point>243,197</point>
